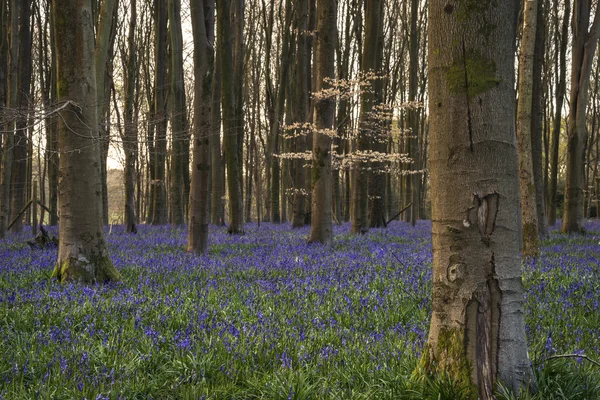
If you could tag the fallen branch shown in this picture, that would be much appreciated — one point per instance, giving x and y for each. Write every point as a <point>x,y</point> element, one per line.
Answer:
<point>397,215</point>
<point>20,214</point>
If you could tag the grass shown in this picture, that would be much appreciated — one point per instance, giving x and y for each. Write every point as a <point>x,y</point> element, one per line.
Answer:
<point>266,315</point>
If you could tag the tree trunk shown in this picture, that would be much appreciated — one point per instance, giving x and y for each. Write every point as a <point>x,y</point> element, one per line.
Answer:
<point>561,72</point>
<point>159,208</point>
<point>301,112</point>
<point>370,97</point>
<point>103,43</point>
<point>321,229</point>
<point>82,253</point>
<point>230,141</point>
<point>477,333</point>
<point>130,141</point>
<point>11,114</point>
<point>413,117</point>
<point>531,240</point>
<point>203,31</point>
<point>179,125</point>
<point>19,176</point>
<point>217,179</point>
<point>584,48</point>
<point>537,119</point>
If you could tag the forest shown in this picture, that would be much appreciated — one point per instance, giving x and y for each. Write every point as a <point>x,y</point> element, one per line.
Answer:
<point>300,199</point>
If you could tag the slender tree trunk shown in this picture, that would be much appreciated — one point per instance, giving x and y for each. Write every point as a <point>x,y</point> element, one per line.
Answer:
<point>203,30</point>
<point>82,253</point>
<point>321,224</point>
<point>217,180</point>
<point>130,143</point>
<point>179,123</point>
<point>537,118</point>
<point>301,112</point>
<point>103,44</point>
<point>531,240</point>
<point>230,141</point>
<point>369,124</point>
<point>11,117</point>
<point>159,208</point>
<point>413,195</point>
<point>560,95</point>
<point>477,333</point>
<point>20,165</point>
<point>583,51</point>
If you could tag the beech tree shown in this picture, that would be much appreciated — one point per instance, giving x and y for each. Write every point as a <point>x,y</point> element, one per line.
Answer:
<point>477,332</point>
<point>585,40</point>
<point>531,241</point>
<point>321,229</point>
<point>82,253</point>
<point>203,31</point>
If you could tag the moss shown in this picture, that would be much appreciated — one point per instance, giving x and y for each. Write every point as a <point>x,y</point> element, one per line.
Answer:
<point>531,241</point>
<point>62,88</point>
<point>98,269</point>
<point>449,359</point>
<point>473,74</point>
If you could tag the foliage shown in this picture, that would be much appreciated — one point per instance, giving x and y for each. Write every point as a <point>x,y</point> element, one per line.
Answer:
<point>266,315</point>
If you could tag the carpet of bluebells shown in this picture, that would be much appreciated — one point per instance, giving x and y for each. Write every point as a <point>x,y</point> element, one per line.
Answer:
<point>266,315</point>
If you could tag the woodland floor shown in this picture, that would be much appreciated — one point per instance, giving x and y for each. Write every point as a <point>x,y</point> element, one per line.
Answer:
<point>266,315</point>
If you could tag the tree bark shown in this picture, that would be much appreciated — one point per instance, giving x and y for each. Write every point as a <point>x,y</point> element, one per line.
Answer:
<point>130,141</point>
<point>230,141</point>
<point>301,112</point>
<point>321,229</point>
<point>82,253</point>
<point>477,333</point>
<point>531,240</point>
<point>203,31</point>
<point>369,124</point>
<point>537,119</point>
<point>561,72</point>
<point>584,48</point>
<point>10,118</point>
<point>159,208</point>
<point>179,124</point>
<point>20,165</point>
<point>217,180</point>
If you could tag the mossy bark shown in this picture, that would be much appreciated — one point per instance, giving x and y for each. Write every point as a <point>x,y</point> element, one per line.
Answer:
<point>477,333</point>
<point>97,269</point>
<point>82,253</point>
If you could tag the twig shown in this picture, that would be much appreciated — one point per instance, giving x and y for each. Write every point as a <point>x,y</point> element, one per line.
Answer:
<point>397,215</point>
<point>582,356</point>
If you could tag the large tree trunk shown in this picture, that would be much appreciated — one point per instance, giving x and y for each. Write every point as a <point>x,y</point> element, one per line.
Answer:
<point>159,208</point>
<point>179,124</point>
<point>477,333</point>
<point>203,31</point>
<point>321,229</point>
<point>561,71</point>
<point>584,48</point>
<point>130,140</point>
<point>230,140</point>
<point>531,240</point>
<point>82,253</point>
